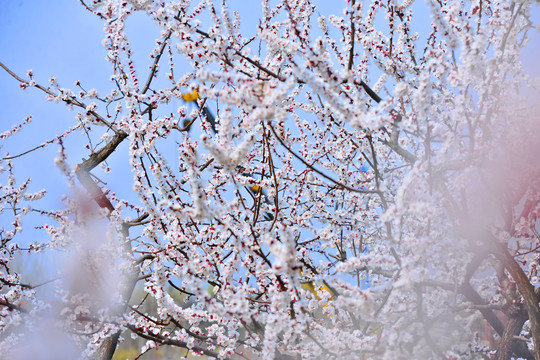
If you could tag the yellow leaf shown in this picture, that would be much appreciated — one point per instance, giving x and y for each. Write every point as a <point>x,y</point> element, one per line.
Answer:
<point>255,188</point>
<point>193,96</point>
<point>310,286</point>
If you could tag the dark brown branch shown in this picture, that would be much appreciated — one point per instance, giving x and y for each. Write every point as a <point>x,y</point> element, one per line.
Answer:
<point>71,101</point>
<point>372,94</point>
<point>6,303</point>
<point>93,188</point>
<point>83,170</point>
<point>34,148</point>
<point>180,290</point>
<point>353,29</point>
<point>518,347</point>
<point>318,171</point>
<point>468,291</point>
<point>163,340</point>
<point>393,143</point>
<point>155,64</point>
<point>102,154</point>
<point>508,343</point>
<point>93,12</point>
<point>137,221</point>
<point>525,288</point>
<point>238,53</point>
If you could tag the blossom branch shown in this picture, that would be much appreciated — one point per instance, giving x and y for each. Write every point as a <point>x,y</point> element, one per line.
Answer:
<point>316,170</point>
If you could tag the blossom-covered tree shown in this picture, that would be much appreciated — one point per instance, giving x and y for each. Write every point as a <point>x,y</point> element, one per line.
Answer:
<point>333,186</point>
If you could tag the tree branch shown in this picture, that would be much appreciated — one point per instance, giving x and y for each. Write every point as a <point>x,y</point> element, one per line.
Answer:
<point>318,171</point>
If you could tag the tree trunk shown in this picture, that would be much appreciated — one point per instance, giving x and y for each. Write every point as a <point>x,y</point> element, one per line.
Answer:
<point>527,291</point>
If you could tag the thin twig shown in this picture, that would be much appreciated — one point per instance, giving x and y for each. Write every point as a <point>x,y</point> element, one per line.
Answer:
<point>316,170</point>
<point>155,64</point>
<point>67,101</point>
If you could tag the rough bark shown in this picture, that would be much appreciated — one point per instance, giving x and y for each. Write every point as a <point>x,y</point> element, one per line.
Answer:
<point>527,291</point>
